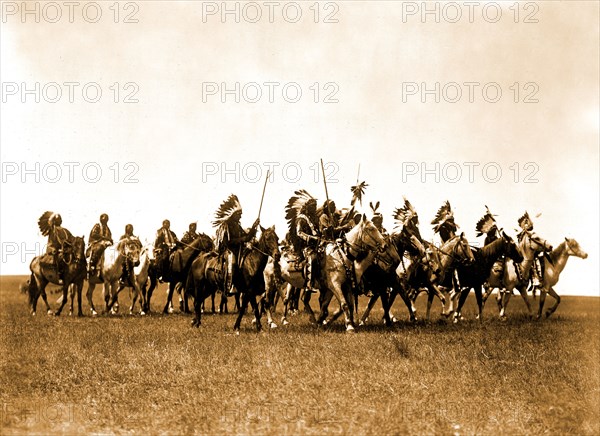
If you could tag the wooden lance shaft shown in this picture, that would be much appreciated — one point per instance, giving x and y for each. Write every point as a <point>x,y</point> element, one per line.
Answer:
<point>263,194</point>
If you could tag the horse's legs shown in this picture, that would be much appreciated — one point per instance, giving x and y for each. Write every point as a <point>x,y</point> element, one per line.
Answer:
<point>153,283</point>
<point>541,304</point>
<point>79,297</point>
<point>523,293</point>
<point>464,293</point>
<point>430,295</point>
<point>325,297</point>
<point>556,297</point>
<point>45,297</point>
<point>367,311</point>
<point>339,293</point>
<point>114,297</point>
<point>479,298</point>
<point>243,307</point>
<point>307,308</point>
<point>254,305</point>
<point>167,308</point>
<point>286,304</point>
<point>386,308</point>
<point>198,299</point>
<point>65,298</point>
<point>89,295</point>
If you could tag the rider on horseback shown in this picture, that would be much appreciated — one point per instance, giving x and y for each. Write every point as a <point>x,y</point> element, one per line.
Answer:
<point>100,238</point>
<point>165,243</point>
<point>330,224</point>
<point>58,239</point>
<point>444,222</point>
<point>377,220</point>
<point>304,234</point>
<point>537,270</point>
<point>190,235</point>
<point>230,237</point>
<point>128,237</point>
<point>487,226</point>
<point>410,238</point>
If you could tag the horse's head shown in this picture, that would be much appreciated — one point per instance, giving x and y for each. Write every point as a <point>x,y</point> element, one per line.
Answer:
<point>269,242</point>
<point>78,249</point>
<point>462,250</point>
<point>131,250</point>
<point>573,248</point>
<point>511,248</point>
<point>203,243</point>
<point>365,236</point>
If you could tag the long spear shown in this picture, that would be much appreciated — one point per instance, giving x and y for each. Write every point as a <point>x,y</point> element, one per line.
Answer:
<point>326,194</point>
<point>263,194</point>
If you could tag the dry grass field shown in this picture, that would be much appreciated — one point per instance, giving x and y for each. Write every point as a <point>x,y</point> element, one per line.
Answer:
<point>156,375</point>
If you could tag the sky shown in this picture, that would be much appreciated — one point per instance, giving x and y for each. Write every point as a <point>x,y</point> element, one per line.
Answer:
<point>154,110</point>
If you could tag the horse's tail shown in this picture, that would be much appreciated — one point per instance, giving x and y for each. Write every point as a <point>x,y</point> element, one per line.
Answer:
<point>32,289</point>
<point>190,288</point>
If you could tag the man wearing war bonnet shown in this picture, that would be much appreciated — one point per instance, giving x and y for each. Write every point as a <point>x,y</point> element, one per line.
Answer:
<point>59,239</point>
<point>231,236</point>
<point>304,233</point>
<point>527,233</point>
<point>444,222</point>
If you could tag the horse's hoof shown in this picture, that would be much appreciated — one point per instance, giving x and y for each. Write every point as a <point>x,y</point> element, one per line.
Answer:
<point>237,332</point>
<point>285,321</point>
<point>142,313</point>
<point>253,321</point>
<point>395,320</point>
<point>350,329</point>
<point>94,313</point>
<point>361,323</point>
<point>170,311</point>
<point>32,313</point>
<point>272,325</point>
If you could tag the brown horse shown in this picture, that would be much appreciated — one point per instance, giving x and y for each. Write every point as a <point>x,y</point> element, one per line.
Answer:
<point>206,276</point>
<point>75,272</point>
<point>179,265</point>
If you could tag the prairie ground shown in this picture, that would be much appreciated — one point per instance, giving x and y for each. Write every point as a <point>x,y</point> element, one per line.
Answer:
<point>155,374</point>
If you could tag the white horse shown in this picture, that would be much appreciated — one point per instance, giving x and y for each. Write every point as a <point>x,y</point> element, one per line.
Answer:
<point>112,269</point>
<point>552,270</point>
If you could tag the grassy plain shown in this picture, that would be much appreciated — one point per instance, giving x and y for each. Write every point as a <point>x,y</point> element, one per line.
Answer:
<point>156,375</point>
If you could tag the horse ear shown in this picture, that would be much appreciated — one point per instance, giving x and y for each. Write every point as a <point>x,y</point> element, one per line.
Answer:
<point>377,205</point>
<point>363,218</point>
<point>262,229</point>
<point>371,206</point>
<point>462,235</point>
<point>566,239</point>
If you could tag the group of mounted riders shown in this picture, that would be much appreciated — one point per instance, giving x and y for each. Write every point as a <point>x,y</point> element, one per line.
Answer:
<point>311,229</point>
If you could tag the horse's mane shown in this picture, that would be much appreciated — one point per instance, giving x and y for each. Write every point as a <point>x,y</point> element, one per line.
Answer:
<point>555,254</point>
<point>489,250</point>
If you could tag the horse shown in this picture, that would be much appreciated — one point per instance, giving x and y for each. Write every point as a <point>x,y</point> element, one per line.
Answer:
<point>353,256</point>
<point>140,277</point>
<point>111,271</point>
<point>289,274</point>
<point>473,276</point>
<point>516,275</point>
<point>206,276</point>
<point>438,272</point>
<point>74,274</point>
<point>552,270</point>
<point>179,265</point>
<point>381,276</point>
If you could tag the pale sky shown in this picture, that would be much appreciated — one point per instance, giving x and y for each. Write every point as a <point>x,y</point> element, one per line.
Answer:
<point>375,61</point>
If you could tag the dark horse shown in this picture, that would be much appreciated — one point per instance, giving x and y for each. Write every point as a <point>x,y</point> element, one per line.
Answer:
<point>473,276</point>
<point>179,265</point>
<point>75,272</point>
<point>206,276</point>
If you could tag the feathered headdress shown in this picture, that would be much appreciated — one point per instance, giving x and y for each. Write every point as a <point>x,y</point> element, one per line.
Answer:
<point>297,205</point>
<point>374,208</point>
<point>524,217</point>
<point>45,222</point>
<point>226,210</point>
<point>405,214</point>
<point>486,224</point>
<point>357,192</point>
<point>444,218</point>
